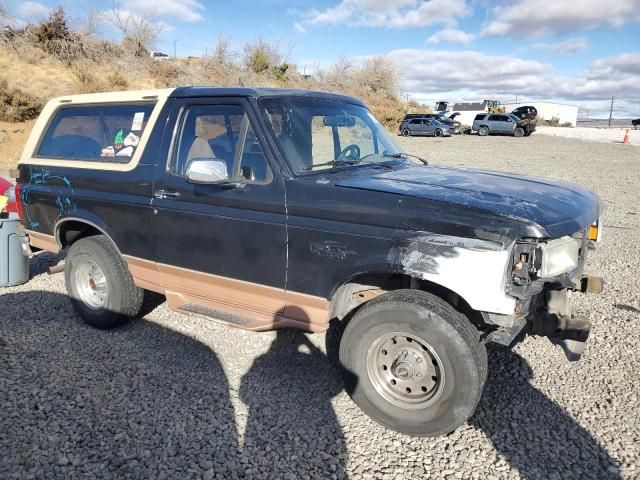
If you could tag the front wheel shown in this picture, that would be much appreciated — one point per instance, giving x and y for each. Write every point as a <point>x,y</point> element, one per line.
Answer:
<point>413,363</point>
<point>438,132</point>
<point>406,132</point>
<point>518,132</point>
<point>100,284</point>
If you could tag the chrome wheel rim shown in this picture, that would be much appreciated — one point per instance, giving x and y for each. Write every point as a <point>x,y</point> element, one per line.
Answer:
<point>405,370</point>
<point>91,284</point>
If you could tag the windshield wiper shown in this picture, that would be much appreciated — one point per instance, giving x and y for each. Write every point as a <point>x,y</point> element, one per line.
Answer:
<point>333,163</point>
<point>404,156</point>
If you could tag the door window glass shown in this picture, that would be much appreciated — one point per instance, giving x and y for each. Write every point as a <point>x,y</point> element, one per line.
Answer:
<point>220,132</point>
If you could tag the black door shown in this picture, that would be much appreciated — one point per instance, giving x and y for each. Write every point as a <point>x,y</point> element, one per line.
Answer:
<point>222,245</point>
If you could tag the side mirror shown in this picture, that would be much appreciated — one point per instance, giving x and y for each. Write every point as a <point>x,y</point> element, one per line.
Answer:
<point>207,170</point>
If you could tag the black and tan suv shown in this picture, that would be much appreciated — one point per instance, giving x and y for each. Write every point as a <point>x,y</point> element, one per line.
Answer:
<point>266,208</point>
<point>502,124</point>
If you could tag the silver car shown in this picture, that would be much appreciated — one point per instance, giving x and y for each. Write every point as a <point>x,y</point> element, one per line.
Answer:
<point>424,126</point>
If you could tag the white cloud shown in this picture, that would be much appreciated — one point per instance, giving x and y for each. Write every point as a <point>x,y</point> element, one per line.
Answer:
<point>565,47</point>
<point>183,10</point>
<point>572,45</point>
<point>436,74</point>
<point>621,66</point>
<point>299,27</point>
<point>33,11</point>
<point>450,35</point>
<point>390,13</point>
<point>538,18</point>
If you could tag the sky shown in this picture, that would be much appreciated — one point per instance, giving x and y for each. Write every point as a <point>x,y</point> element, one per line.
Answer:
<point>580,52</point>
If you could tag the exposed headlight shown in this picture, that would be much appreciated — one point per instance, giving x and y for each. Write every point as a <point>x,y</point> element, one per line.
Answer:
<point>558,256</point>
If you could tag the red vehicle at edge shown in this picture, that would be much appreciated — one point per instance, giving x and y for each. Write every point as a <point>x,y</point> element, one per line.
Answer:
<point>7,189</point>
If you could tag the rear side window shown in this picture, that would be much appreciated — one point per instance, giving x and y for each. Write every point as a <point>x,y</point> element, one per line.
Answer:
<point>480,117</point>
<point>97,133</point>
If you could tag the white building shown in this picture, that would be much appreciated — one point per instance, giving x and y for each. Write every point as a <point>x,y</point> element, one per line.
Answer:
<point>465,113</point>
<point>548,110</point>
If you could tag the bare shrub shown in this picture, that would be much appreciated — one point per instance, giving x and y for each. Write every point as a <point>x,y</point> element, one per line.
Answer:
<point>164,73</point>
<point>261,57</point>
<point>139,32</point>
<point>17,106</point>
<point>87,82</point>
<point>117,81</point>
<point>553,122</point>
<point>379,76</point>
<point>54,36</point>
<point>222,55</point>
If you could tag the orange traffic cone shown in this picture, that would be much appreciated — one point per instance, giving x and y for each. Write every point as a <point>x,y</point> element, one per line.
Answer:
<point>626,137</point>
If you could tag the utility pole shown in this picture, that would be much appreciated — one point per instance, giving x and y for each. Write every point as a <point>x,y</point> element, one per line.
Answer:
<point>174,49</point>
<point>611,111</point>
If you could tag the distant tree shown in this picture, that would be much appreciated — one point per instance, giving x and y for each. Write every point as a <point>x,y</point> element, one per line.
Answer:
<point>139,32</point>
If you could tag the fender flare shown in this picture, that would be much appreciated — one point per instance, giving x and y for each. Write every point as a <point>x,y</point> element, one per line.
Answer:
<point>94,222</point>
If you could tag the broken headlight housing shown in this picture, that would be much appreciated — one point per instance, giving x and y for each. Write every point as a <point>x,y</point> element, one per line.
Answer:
<point>558,256</point>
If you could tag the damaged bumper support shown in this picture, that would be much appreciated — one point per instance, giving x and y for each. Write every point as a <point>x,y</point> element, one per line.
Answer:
<point>550,317</point>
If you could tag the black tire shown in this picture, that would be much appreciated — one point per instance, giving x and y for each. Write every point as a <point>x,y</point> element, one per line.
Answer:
<point>483,131</point>
<point>518,132</point>
<point>438,132</point>
<point>121,301</point>
<point>432,323</point>
<point>406,132</point>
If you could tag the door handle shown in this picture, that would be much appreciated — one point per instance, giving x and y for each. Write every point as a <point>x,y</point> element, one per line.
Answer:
<point>165,194</point>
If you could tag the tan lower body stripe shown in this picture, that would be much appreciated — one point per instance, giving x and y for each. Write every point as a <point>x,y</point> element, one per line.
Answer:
<point>264,307</point>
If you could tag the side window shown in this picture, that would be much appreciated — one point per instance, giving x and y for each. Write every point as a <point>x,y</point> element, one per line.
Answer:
<point>480,117</point>
<point>494,118</point>
<point>97,133</point>
<point>220,132</point>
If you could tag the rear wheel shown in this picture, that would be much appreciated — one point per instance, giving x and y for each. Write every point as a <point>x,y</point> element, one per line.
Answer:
<point>438,132</point>
<point>483,131</point>
<point>413,363</point>
<point>99,283</point>
<point>518,132</point>
<point>406,132</point>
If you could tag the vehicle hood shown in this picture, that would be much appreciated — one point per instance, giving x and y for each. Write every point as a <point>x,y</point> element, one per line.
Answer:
<point>557,208</point>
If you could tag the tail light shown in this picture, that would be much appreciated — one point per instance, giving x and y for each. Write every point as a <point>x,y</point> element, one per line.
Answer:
<point>18,198</point>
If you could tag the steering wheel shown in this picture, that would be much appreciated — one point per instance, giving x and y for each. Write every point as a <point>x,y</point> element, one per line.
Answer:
<point>350,152</point>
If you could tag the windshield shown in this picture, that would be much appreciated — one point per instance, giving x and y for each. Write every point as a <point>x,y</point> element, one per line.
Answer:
<point>442,118</point>
<point>319,134</point>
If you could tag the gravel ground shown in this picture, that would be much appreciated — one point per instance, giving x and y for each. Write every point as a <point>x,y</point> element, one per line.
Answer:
<point>173,396</point>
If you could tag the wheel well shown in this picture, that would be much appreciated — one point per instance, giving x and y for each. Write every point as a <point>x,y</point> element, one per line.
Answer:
<point>360,289</point>
<point>72,230</point>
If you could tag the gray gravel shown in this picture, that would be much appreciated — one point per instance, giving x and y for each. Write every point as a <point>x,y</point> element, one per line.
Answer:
<point>173,396</point>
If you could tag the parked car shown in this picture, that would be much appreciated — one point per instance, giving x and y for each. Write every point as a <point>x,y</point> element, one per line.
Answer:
<point>525,112</point>
<point>502,124</point>
<point>7,189</point>
<point>454,126</point>
<point>635,123</point>
<point>424,126</point>
<point>272,208</point>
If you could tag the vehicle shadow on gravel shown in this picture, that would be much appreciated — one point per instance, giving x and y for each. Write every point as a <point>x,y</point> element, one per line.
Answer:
<point>292,430</point>
<point>141,401</point>
<point>536,435</point>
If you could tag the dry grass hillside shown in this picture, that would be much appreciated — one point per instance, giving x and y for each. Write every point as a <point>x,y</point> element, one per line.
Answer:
<point>50,59</point>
